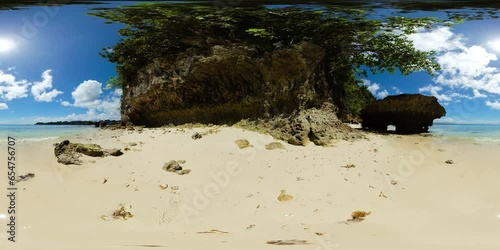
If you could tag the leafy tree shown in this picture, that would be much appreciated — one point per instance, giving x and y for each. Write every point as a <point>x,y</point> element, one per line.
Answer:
<point>352,41</point>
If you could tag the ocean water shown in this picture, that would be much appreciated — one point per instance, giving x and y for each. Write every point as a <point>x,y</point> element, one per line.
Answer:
<point>41,132</point>
<point>474,132</point>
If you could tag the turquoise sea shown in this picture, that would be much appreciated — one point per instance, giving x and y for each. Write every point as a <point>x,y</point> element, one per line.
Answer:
<point>41,132</point>
<point>476,132</point>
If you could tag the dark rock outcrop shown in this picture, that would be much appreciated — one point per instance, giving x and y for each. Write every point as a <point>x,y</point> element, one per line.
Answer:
<point>409,113</point>
<point>100,124</point>
<point>69,153</point>
<point>224,84</point>
<point>316,125</point>
<point>92,150</point>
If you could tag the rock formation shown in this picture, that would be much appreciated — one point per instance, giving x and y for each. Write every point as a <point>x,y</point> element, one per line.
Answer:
<point>175,167</point>
<point>69,153</point>
<point>409,113</point>
<point>225,84</point>
<point>316,125</point>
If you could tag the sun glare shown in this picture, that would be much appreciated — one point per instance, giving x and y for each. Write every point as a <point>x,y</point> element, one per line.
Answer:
<point>6,45</point>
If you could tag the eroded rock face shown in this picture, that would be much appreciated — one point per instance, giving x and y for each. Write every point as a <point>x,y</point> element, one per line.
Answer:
<point>409,113</point>
<point>317,125</point>
<point>226,84</point>
<point>69,153</point>
<point>92,150</point>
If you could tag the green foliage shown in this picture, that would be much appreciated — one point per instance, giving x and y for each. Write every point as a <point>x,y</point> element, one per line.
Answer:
<point>350,39</point>
<point>357,97</point>
<point>112,83</point>
<point>260,33</point>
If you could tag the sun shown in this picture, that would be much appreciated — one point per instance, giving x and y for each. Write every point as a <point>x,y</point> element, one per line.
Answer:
<point>6,45</point>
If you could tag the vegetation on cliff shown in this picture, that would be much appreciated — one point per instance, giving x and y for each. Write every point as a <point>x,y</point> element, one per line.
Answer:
<point>353,43</point>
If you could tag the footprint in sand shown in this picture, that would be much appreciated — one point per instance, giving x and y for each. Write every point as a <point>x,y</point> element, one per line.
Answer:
<point>168,214</point>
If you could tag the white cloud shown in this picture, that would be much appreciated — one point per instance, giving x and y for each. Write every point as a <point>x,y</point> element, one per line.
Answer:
<point>478,94</point>
<point>371,87</point>
<point>470,69</point>
<point>90,115</point>
<point>464,67</point>
<point>40,90</point>
<point>382,94</point>
<point>433,90</point>
<point>374,87</point>
<point>397,90</point>
<point>111,106</point>
<point>470,62</point>
<point>438,39</point>
<point>66,103</point>
<point>3,106</point>
<point>87,94</point>
<point>10,88</point>
<point>493,105</point>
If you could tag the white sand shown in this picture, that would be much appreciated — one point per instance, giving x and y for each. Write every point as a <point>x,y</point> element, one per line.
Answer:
<point>433,205</point>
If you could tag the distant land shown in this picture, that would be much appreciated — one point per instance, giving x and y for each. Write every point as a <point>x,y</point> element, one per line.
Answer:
<point>108,122</point>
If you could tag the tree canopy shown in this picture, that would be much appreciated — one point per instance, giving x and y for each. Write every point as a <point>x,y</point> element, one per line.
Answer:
<point>350,38</point>
<point>354,43</point>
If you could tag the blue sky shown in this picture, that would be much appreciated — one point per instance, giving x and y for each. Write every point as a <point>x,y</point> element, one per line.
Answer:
<point>50,69</point>
<point>54,71</point>
<point>468,86</point>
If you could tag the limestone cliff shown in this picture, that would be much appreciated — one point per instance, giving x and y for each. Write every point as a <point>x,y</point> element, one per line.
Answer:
<point>225,84</point>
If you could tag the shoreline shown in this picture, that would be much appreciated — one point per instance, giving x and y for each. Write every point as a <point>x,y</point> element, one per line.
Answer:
<point>229,200</point>
<point>433,134</point>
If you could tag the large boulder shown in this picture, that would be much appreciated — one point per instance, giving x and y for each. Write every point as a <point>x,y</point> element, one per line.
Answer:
<point>65,153</point>
<point>409,113</point>
<point>226,83</point>
<point>69,153</point>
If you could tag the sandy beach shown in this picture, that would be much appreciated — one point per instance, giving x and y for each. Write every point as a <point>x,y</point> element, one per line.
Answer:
<point>229,200</point>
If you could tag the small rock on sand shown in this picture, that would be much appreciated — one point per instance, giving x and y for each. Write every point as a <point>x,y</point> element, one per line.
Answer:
<point>25,177</point>
<point>196,136</point>
<point>274,145</point>
<point>132,144</point>
<point>359,215</point>
<point>171,166</point>
<point>114,152</point>
<point>183,172</point>
<point>284,197</point>
<point>243,143</point>
<point>449,162</point>
<point>349,166</point>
